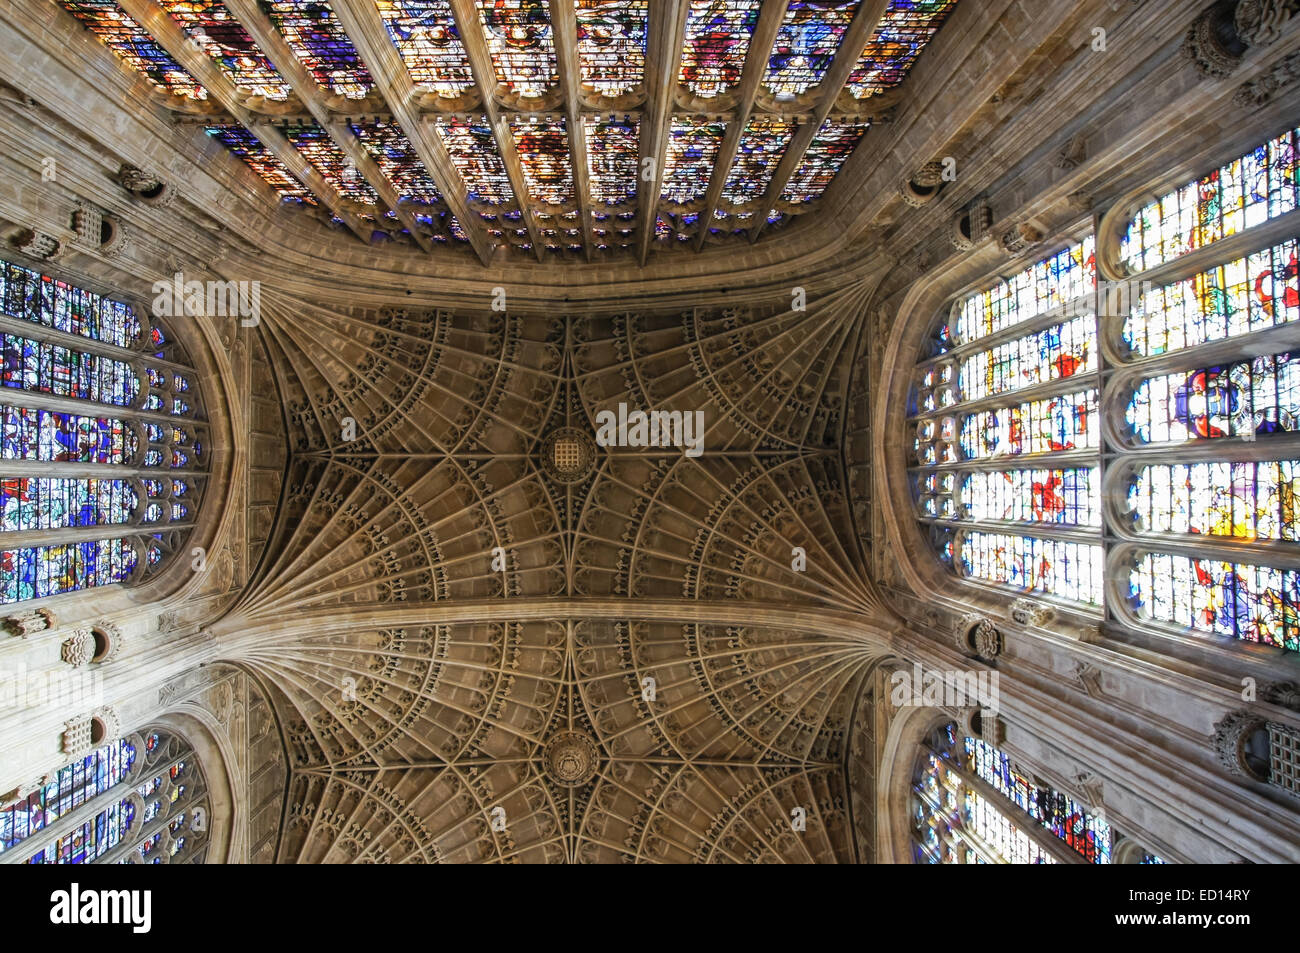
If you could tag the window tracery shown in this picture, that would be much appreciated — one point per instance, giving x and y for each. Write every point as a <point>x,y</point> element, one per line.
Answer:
<point>139,799</point>
<point>1197,420</point>
<point>104,444</point>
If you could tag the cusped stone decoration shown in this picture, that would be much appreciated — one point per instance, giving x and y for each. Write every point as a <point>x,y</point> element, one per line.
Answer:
<point>570,758</point>
<point>568,455</point>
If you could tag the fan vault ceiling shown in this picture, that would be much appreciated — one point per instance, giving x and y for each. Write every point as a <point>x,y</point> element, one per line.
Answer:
<point>422,687</point>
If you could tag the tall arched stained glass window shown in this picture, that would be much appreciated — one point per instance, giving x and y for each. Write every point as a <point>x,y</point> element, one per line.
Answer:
<point>972,806</point>
<point>1209,394</point>
<point>104,447</point>
<point>140,799</point>
<point>1004,413</point>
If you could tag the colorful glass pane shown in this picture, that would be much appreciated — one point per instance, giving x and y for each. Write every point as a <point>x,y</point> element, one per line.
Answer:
<point>908,26</point>
<point>1048,425</point>
<point>543,146</point>
<point>1249,603</point>
<point>692,149</point>
<point>67,789</point>
<point>216,30</point>
<point>37,572</point>
<point>1243,399</point>
<point>1053,283</point>
<point>53,437</point>
<point>717,39</point>
<point>611,44</point>
<point>1248,191</point>
<point>612,154</point>
<point>41,299</point>
<point>136,47</point>
<point>1056,353</point>
<point>314,34</point>
<point>34,503</point>
<point>1065,497</point>
<point>1082,831</point>
<point>1248,294</point>
<point>761,146</point>
<point>518,34</point>
<point>1052,567</point>
<point>1244,500</point>
<point>262,161</point>
<point>46,368</point>
<point>425,33</point>
<point>473,151</point>
<point>335,167</point>
<point>834,143</point>
<point>805,46</point>
<point>396,158</point>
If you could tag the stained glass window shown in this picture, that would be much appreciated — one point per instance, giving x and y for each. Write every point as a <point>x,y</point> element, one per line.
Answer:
<point>1038,331</point>
<point>137,48</point>
<point>805,46</point>
<point>1252,189</point>
<point>313,33</point>
<point>518,34</point>
<point>971,806</point>
<point>127,802</point>
<point>611,44</point>
<point>473,151</point>
<point>543,146</point>
<point>216,30</point>
<point>908,26</point>
<point>1248,294</point>
<point>834,142</point>
<point>262,161</point>
<point>612,154</point>
<point>139,435</point>
<point>396,158</point>
<point>1247,602</point>
<point>692,150</point>
<point>717,39</point>
<point>1246,398</point>
<point>425,33</point>
<point>761,146</point>
<point>1243,500</point>
<point>335,167</point>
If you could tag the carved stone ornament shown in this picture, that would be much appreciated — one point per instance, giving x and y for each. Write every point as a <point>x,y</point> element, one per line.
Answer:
<point>1261,22</point>
<point>38,244</point>
<point>79,648</point>
<point>1285,694</point>
<point>1089,677</point>
<point>961,630</point>
<point>27,623</point>
<point>987,640</point>
<point>1212,42</point>
<point>88,222</point>
<point>570,758</point>
<point>1261,90</point>
<point>929,176</point>
<point>1230,737</point>
<point>1031,612</point>
<point>568,455</point>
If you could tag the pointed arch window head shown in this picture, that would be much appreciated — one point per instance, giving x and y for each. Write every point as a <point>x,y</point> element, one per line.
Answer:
<point>134,800</point>
<point>51,415</point>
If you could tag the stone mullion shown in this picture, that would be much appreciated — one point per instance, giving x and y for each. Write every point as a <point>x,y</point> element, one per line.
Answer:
<point>760,52</point>
<point>855,40</point>
<point>966,839</point>
<point>565,31</point>
<point>172,38</point>
<point>667,29</point>
<point>304,85</point>
<point>365,27</point>
<point>480,59</point>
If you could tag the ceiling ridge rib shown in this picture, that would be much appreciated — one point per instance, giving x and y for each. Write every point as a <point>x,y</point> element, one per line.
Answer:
<point>304,85</point>
<point>169,35</point>
<point>365,27</point>
<point>666,34</point>
<point>869,16</point>
<point>757,57</point>
<point>470,26</point>
<point>565,31</point>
